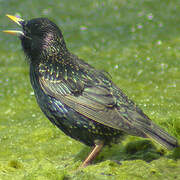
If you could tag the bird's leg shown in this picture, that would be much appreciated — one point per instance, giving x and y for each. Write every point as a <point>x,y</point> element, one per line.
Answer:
<point>95,151</point>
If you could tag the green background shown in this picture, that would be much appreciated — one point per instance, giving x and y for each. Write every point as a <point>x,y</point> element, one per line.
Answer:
<point>138,43</point>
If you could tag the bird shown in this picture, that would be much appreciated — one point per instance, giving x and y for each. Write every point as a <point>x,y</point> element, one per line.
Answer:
<point>80,100</point>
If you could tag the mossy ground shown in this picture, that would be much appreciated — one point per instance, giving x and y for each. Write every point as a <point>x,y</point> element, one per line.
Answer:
<point>138,43</point>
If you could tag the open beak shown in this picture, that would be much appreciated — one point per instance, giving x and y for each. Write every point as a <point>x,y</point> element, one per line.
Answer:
<point>16,20</point>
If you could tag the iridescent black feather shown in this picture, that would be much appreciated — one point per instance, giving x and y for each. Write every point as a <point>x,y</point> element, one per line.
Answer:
<point>82,101</point>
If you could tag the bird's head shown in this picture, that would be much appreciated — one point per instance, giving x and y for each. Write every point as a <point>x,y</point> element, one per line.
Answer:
<point>40,38</point>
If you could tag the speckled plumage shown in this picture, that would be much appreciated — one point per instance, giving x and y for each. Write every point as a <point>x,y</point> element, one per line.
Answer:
<point>80,100</point>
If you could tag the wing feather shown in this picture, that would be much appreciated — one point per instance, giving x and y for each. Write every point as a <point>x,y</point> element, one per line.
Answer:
<point>95,103</point>
<point>98,104</point>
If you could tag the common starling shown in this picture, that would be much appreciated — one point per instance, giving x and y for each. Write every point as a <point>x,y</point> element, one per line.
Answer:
<point>81,101</point>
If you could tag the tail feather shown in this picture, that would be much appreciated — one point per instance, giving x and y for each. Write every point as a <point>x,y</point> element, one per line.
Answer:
<point>160,136</point>
<point>150,130</point>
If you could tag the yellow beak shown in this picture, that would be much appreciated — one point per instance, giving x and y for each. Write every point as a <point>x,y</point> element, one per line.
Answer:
<point>13,32</point>
<point>16,20</point>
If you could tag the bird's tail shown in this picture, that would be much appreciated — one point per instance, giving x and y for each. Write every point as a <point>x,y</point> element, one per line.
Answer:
<point>160,136</point>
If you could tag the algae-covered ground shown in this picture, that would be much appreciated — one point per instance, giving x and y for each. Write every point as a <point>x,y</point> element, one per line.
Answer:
<point>138,43</point>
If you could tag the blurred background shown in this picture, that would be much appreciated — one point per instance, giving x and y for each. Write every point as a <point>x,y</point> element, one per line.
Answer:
<point>138,43</point>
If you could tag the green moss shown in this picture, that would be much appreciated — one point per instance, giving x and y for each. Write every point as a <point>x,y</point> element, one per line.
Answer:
<point>176,153</point>
<point>137,42</point>
<point>15,164</point>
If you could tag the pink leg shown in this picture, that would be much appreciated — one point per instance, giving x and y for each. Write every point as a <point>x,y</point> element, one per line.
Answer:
<point>92,155</point>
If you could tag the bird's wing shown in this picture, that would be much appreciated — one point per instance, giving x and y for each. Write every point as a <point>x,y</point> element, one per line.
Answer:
<point>106,105</point>
<point>96,103</point>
